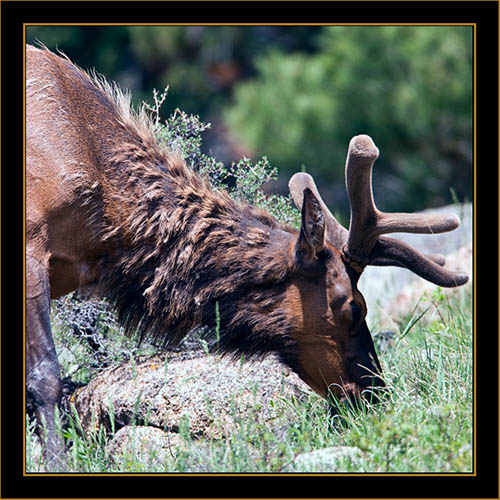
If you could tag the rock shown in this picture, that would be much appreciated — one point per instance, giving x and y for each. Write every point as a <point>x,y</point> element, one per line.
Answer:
<point>414,297</point>
<point>144,445</point>
<point>206,394</point>
<point>334,459</point>
<point>383,287</point>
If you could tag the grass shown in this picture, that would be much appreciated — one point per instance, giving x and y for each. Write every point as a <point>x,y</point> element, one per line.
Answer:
<point>424,424</point>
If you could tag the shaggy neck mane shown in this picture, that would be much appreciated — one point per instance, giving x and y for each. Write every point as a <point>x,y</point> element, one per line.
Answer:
<point>179,250</point>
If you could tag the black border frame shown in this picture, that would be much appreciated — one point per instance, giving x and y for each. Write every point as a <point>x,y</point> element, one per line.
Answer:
<point>483,484</point>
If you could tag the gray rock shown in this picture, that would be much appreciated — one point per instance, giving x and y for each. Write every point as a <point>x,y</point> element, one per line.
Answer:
<point>381,285</point>
<point>416,297</point>
<point>334,459</point>
<point>206,394</point>
<point>149,446</point>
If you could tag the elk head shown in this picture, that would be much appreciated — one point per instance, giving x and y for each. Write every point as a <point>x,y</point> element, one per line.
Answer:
<point>336,351</point>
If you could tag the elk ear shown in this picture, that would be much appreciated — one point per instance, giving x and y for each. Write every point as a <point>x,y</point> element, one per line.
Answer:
<point>311,239</point>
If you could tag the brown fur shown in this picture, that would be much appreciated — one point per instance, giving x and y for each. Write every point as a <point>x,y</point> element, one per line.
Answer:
<point>109,210</point>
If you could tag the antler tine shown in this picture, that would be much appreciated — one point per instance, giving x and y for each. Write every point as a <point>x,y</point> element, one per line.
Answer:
<point>335,232</point>
<point>389,250</point>
<point>367,223</point>
<point>390,257</point>
<point>361,156</point>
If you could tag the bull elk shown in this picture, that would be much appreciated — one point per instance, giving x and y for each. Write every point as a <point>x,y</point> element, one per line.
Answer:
<point>109,210</point>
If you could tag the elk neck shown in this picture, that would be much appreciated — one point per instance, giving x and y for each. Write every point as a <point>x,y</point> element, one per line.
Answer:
<point>179,249</point>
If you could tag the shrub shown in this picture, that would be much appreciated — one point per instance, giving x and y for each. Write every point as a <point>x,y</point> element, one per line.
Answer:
<point>409,87</point>
<point>244,180</point>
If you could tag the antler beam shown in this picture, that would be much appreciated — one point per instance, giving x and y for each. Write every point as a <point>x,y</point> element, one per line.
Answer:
<point>367,223</point>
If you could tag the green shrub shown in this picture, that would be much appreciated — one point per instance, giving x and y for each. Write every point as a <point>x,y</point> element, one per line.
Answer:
<point>244,180</point>
<point>409,87</point>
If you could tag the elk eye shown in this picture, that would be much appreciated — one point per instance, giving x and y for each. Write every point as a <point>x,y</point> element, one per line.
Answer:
<point>355,313</point>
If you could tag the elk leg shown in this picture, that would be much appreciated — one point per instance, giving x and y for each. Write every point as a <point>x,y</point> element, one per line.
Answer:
<point>43,380</point>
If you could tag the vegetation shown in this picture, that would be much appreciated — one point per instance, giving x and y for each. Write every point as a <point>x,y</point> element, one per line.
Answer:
<point>423,425</point>
<point>409,87</point>
<point>244,179</point>
<point>297,94</point>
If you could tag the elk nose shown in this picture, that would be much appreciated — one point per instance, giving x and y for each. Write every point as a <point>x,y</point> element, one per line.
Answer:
<point>355,396</point>
<point>371,385</point>
<point>350,398</point>
<point>364,367</point>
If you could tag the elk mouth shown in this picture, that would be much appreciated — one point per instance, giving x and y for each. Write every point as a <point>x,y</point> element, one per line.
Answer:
<point>357,395</point>
<point>367,381</point>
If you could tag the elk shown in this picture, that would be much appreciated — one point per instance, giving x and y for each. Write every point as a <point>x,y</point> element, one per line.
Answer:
<point>110,211</point>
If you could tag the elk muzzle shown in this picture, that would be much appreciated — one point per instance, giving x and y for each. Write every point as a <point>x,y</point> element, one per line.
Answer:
<point>342,370</point>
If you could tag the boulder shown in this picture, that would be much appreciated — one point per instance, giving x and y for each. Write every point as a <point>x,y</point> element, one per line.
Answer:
<point>417,293</point>
<point>392,292</point>
<point>206,395</point>
<point>145,445</point>
<point>333,459</point>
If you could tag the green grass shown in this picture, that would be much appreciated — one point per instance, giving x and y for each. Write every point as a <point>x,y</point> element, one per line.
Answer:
<point>424,424</point>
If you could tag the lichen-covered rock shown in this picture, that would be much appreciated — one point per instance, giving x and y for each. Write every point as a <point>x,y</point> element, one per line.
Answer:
<point>145,445</point>
<point>207,394</point>
<point>333,459</point>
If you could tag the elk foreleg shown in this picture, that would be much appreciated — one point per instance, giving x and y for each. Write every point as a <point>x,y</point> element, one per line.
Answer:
<point>43,380</point>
